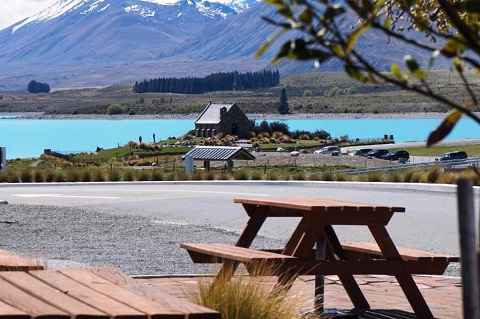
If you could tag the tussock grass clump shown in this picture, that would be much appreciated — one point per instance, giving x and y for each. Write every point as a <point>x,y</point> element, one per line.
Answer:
<point>271,176</point>
<point>38,176</point>
<point>412,176</point>
<point>241,175</point>
<point>327,176</point>
<point>59,177</point>
<point>256,176</point>
<point>433,174</point>
<point>128,175</point>
<point>342,178</point>
<point>98,175</point>
<point>114,175</point>
<point>157,175</point>
<point>26,175</point>
<point>375,177</point>
<point>12,176</point>
<point>315,177</point>
<point>394,177</point>
<point>300,176</point>
<point>50,175</point>
<point>197,176</point>
<point>447,178</point>
<point>244,297</point>
<point>142,175</point>
<point>73,175</point>
<point>86,176</point>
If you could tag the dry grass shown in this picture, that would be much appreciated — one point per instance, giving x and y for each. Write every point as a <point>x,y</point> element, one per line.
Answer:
<point>248,297</point>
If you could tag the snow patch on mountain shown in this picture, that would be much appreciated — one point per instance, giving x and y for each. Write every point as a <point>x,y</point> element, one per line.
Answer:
<point>56,10</point>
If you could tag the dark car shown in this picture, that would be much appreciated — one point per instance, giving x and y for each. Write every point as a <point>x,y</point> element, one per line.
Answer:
<point>378,153</point>
<point>360,151</point>
<point>457,155</point>
<point>397,155</point>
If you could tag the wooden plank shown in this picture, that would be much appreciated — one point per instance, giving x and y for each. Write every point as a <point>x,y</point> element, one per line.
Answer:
<point>317,204</point>
<point>12,262</point>
<point>250,231</point>
<point>48,294</point>
<point>138,302</point>
<point>87,295</point>
<point>406,253</point>
<point>27,303</point>
<point>231,252</point>
<point>7,311</point>
<point>194,311</point>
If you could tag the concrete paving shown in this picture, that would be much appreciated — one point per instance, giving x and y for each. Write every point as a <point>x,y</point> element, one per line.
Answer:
<point>386,298</point>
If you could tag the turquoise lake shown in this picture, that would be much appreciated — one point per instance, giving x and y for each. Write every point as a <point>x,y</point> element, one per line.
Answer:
<point>29,137</point>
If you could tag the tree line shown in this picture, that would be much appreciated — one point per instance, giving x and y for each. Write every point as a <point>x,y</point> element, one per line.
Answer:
<point>214,82</point>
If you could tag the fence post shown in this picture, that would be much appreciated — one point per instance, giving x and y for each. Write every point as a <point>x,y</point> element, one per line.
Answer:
<point>468,249</point>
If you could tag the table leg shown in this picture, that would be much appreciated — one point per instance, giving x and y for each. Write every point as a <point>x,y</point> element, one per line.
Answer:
<point>335,251</point>
<point>320,251</point>
<point>254,224</point>
<point>245,239</point>
<point>405,280</point>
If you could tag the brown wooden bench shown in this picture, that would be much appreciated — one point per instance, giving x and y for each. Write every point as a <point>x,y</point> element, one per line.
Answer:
<point>269,263</point>
<point>12,262</point>
<point>369,250</point>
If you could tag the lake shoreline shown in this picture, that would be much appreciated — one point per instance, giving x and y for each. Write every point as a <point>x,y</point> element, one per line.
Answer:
<point>268,116</point>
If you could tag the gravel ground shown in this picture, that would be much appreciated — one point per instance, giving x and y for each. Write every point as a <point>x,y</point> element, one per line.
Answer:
<point>60,237</point>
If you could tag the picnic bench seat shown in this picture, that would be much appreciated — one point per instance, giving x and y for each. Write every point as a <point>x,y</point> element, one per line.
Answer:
<point>372,250</point>
<point>12,262</point>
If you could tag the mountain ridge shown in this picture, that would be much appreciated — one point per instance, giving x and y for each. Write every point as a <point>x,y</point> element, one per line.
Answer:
<point>104,42</point>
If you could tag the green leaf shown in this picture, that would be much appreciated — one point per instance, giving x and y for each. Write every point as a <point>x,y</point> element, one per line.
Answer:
<point>397,72</point>
<point>414,68</point>
<point>355,74</point>
<point>454,45</point>
<point>276,3</point>
<point>444,128</point>
<point>352,39</point>
<point>264,47</point>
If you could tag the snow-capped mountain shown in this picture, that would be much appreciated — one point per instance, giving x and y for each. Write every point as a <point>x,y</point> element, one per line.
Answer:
<point>104,42</point>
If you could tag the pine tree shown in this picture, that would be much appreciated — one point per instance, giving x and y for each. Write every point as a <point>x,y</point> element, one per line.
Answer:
<point>283,104</point>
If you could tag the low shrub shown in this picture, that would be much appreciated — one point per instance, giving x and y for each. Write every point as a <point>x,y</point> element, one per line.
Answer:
<point>433,174</point>
<point>142,175</point>
<point>157,175</point>
<point>256,176</point>
<point>26,175</point>
<point>241,174</point>
<point>114,175</point>
<point>128,175</point>
<point>38,176</point>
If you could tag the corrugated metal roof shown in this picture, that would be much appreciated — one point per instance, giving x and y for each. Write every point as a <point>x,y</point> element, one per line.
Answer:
<point>211,114</point>
<point>220,153</point>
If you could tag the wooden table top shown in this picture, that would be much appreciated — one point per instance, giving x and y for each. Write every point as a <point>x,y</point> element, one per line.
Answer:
<point>322,210</point>
<point>88,293</point>
<point>317,204</point>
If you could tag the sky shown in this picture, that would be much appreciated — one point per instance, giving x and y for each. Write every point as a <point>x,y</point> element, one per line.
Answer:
<point>12,11</point>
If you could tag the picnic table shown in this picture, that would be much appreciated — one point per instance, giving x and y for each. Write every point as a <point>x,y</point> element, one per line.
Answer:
<point>315,249</point>
<point>103,292</point>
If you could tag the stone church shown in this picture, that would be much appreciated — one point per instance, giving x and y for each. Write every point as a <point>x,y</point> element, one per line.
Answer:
<point>228,119</point>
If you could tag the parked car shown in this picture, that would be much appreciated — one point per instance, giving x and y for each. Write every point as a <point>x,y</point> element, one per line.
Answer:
<point>328,150</point>
<point>378,152</point>
<point>294,153</point>
<point>397,155</point>
<point>457,155</point>
<point>360,151</point>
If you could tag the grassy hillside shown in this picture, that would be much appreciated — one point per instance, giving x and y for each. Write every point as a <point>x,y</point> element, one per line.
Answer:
<point>322,92</point>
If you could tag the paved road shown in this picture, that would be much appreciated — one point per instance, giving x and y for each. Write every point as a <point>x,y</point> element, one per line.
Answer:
<point>430,221</point>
